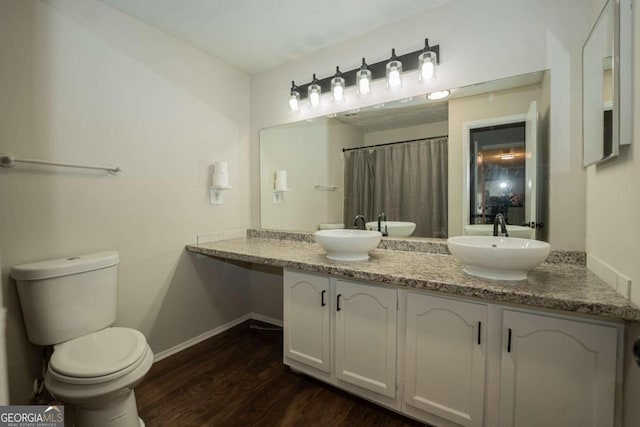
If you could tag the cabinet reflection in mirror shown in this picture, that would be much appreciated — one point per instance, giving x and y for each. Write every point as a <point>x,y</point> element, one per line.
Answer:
<point>404,159</point>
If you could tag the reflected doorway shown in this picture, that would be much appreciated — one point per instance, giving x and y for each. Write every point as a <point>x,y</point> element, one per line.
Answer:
<point>498,173</point>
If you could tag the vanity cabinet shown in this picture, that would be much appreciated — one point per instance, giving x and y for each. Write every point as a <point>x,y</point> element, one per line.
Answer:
<point>306,320</point>
<point>344,331</point>
<point>448,361</point>
<point>365,338</point>
<point>445,358</point>
<point>557,372</point>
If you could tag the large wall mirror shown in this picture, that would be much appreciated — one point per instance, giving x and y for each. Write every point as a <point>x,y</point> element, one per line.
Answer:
<point>606,94</point>
<point>413,160</point>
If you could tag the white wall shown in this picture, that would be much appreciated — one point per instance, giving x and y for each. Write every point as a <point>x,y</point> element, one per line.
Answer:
<point>311,153</point>
<point>523,37</point>
<point>81,82</point>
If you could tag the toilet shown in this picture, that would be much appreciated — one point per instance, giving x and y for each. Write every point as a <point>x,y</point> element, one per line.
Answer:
<point>70,303</point>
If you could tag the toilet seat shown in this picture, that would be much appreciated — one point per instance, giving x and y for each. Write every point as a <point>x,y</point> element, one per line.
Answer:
<point>98,357</point>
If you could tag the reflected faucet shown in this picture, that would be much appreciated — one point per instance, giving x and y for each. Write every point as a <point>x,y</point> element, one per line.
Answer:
<point>499,220</point>
<point>382,217</point>
<point>358,218</point>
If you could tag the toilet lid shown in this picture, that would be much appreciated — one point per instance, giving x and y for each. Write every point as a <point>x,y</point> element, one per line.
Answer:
<point>100,353</point>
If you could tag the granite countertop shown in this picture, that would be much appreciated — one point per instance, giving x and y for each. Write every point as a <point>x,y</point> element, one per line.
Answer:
<point>559,286</point>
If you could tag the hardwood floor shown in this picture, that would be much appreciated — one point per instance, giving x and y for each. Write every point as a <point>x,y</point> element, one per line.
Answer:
<point>237,378</point>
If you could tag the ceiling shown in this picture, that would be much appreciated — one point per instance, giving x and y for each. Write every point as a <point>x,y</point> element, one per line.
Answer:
<point>256,35</point>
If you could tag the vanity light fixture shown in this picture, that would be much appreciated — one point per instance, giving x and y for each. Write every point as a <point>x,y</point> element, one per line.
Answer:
<point>363,80</point>
<point>427,61</point>
<point>314,92</point>
<point>394,72</point>
<point>363,76</point>
<point>440,94</point>
<point>337,88</point>
<point>294,99</point>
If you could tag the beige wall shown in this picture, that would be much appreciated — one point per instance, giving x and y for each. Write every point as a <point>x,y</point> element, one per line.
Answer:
<point>613,215</point>
<point>408,133</point>
<point>311,153</point>
<point>83,83</point>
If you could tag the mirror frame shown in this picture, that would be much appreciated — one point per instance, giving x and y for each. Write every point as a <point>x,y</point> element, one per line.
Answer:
<point>622,121</point>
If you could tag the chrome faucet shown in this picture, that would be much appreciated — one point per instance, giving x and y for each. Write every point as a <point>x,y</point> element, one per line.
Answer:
<point>382,217</point>
<point>499,220</point>
<point>364,221</point>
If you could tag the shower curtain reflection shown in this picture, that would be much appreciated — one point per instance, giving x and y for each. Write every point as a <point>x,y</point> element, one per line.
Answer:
<point>407,181</point>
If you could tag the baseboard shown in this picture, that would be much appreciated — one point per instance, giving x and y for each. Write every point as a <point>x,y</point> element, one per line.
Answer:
<point>198,339</point>
<point>220,329</point>
<point>266,319</point>
<point>611,276</point>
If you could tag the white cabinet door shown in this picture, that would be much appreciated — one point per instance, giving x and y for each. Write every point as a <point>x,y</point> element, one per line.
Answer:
<point>557,372</point>
<point>445,358</point>
<point>306,319</point>
<point>365,342</point>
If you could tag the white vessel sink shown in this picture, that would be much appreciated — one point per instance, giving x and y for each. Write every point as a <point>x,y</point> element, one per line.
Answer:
<point>394,228</point>
<point>348,244</point>
<point>499,258</point>
<point>487,230</point>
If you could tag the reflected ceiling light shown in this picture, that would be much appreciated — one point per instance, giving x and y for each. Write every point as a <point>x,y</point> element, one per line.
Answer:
<point>507,156</point>
<point>363,81</point>
<point>294,99</point>
<point>427,64</point>
<point>337,88</point>
<point>438,94</point>
<point>394,72</point>
<point>313,93</point>
<point>504,185</point>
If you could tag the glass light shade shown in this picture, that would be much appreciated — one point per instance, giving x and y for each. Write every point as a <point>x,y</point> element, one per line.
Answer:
<point>337,90</point>
<point>314,96</point>
<point>394,75</point>
<point>427,67</point>
<point>294,102</point>
<point>363,85</point>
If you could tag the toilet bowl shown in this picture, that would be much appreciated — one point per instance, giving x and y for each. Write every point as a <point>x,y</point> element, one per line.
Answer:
<point>70,304</point>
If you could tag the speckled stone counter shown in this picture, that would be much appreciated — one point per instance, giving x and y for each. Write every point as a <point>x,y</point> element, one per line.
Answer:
<point>566,287</point>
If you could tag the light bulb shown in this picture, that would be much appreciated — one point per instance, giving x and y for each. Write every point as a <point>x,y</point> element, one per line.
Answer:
<point>337,88</point>
<point>294,99</point>
<point>364,86</point>
<point>314,99</point>
<point>427,61</point>
<point>394,72</point>
<point>426,72</point>
<point>338,93</point>
<point>313,93</point>
<point>394,79</point>
<point>363,77</point>
<point>294,104</point>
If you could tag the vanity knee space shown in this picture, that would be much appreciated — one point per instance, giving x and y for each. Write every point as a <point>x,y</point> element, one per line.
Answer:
<point>451,361</point>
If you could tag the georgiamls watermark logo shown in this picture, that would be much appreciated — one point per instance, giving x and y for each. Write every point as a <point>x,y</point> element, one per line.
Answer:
<point>31,416</point>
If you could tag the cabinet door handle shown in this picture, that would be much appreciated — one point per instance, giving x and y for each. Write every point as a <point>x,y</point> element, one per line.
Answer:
<point>509,342</point>
<point>338,308</point>
<point>322,298</point>
<point>479,332</point>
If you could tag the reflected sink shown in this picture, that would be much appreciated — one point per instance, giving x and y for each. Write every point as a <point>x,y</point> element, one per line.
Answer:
<point>487,230</point>
<point>348,244</point>
<point>394,228</point>
<point>498,258</point>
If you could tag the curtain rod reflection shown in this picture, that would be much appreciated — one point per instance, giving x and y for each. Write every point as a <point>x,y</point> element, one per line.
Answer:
<point>397,142</point>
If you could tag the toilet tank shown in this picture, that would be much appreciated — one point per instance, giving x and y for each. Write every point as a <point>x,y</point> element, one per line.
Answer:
<point>66,298</point>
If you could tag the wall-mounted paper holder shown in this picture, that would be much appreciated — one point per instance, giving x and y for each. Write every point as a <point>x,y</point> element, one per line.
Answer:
<point>216,194</point>
<point>278,196</point>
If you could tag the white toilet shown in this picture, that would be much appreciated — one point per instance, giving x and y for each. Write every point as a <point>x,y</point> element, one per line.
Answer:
<point>70,303</point>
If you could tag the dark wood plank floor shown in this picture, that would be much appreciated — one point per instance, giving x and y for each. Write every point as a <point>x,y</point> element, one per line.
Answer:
<point>237,378</point>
